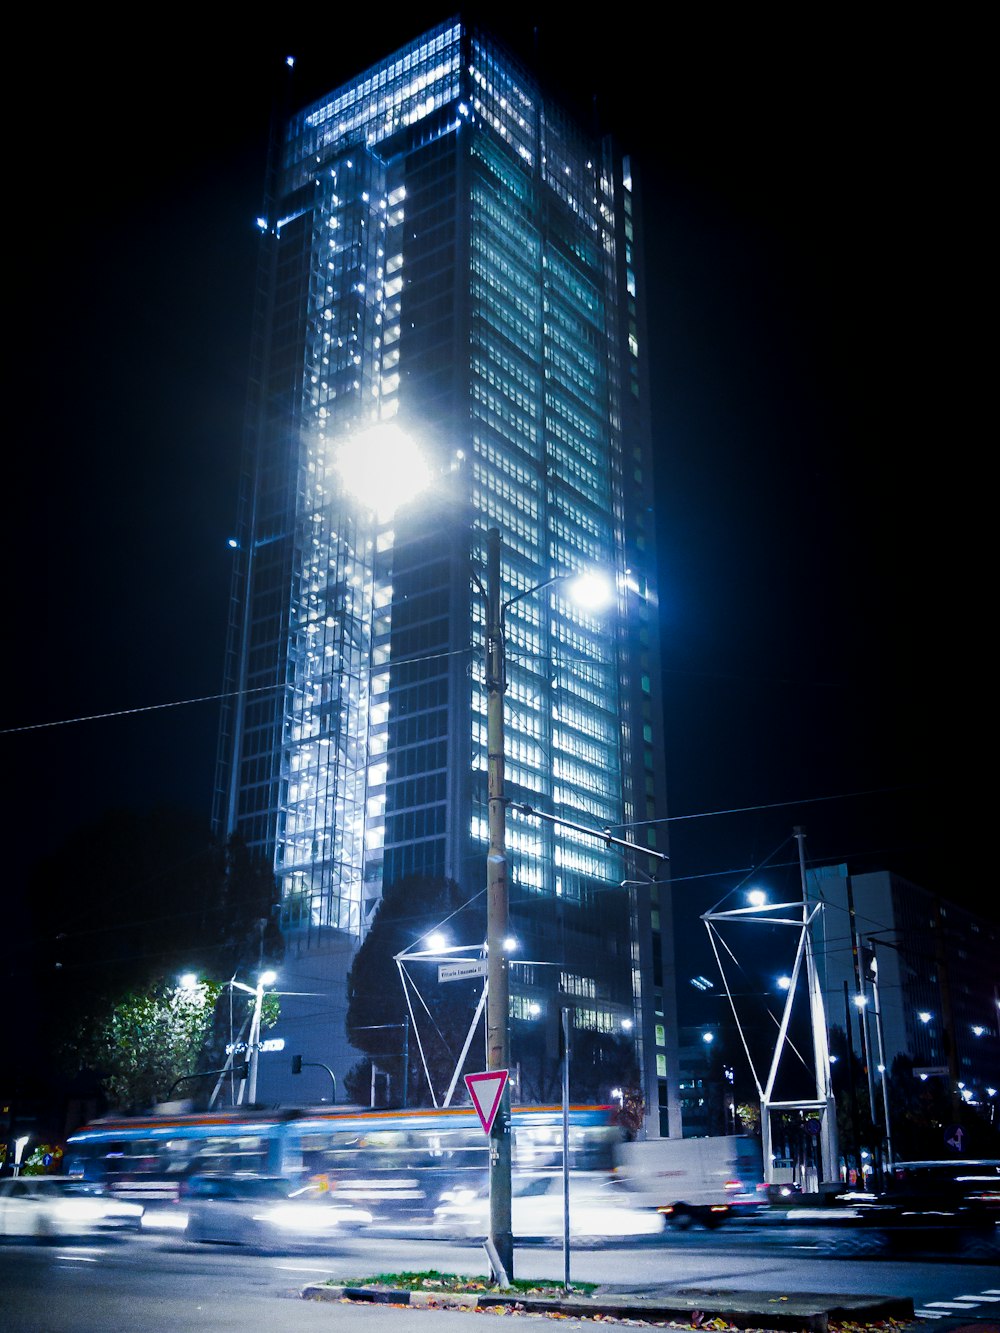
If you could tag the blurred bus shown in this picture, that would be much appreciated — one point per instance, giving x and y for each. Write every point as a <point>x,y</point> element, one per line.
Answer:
<point>394,1163</point>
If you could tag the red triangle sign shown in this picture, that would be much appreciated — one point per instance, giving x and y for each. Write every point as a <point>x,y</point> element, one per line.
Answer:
<point>486,1091</point>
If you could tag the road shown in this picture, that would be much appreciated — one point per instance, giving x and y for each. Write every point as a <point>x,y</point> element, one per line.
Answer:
<point>160,1282</point>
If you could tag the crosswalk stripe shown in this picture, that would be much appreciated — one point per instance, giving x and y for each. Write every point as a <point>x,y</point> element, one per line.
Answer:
<point>955,1305</point>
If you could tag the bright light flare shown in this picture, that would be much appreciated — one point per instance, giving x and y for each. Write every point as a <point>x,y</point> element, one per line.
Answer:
<point>382,467</point>
<point>592,591</point>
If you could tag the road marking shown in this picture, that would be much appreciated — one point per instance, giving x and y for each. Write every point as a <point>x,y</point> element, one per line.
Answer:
<point>928,1314</point>
<point>983,1297</point>
<point>79,1258</point>
<point>955,1305</point>
<point>301,1268</point>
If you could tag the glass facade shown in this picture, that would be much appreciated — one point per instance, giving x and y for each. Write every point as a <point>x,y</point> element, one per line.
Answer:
<point>446,250</point>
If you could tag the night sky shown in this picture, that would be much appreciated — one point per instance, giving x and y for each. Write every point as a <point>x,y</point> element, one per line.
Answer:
<point>814,243</point>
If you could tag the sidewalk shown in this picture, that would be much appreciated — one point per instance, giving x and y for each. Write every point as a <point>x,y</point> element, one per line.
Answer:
<point>688,1305</point>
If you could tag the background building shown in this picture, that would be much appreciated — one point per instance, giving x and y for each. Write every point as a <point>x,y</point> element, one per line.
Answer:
<point>937,972</point>
<point>443,248</point>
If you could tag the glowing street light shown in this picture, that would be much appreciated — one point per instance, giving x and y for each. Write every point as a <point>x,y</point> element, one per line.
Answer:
<point>382,467</point>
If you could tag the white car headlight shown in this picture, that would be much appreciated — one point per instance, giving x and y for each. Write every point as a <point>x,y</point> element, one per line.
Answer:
<point>300,1217</point>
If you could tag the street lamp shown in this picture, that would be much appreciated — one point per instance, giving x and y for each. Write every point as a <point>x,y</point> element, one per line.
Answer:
<point>501,1241</point>
<point>267,978</point>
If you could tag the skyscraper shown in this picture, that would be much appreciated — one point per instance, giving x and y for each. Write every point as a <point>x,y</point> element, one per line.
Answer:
<point>446,252</point>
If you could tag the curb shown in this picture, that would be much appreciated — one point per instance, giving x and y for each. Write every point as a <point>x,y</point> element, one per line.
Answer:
<point>802,1314</point>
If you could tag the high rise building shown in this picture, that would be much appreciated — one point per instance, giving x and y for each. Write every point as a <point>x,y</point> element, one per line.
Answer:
<point>446,252</point>
<point>931,966</point>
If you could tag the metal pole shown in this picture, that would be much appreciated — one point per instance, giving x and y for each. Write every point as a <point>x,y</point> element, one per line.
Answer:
<point>406,1061</point>
<point>497,910</point>
<point>821,1041</point>
<point>255,1044</point>
<point>881,1057</point>
<point>565,1129</point>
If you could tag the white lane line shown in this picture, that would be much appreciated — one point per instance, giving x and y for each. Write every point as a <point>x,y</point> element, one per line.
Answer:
<point>78,1258</point>
<point>928,1314</point>
<point>304,1268</point>
<point>979,1297</point>
<point>954,1305</point>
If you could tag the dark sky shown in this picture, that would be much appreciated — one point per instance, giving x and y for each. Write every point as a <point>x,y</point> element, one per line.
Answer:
<point>815,243</point>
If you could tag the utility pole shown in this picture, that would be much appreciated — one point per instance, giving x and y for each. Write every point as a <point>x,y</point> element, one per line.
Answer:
<point>497,913</point>
<point>821,1041</point>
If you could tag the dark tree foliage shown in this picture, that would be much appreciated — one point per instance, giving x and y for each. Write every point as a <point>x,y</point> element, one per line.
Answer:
<point>377,1011</point>
<point>132,900</point>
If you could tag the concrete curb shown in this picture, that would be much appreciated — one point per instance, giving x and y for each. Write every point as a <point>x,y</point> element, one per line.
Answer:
<point>787,1314</point>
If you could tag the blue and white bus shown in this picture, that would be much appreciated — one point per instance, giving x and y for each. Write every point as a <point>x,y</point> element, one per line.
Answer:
<point>395,1163</point>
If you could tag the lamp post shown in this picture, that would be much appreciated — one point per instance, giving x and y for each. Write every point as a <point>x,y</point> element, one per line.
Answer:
<point>498,940</point>
<point>497,911</point>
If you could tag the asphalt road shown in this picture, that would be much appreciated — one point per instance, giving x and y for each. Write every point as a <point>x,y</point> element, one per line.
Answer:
<point>163,1283</point>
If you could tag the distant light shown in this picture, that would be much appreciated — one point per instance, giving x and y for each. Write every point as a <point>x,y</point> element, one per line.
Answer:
<point>991,1092</point>
<point>702,983</point>
<point>436,940</point>
<point>262,224</point>
<point>534,1009</point>
<point>861,1001</point>
<point>268,978</point>
<point>290,61</point>
<point>627,1025</point>
<point>978,1030</point>
<point>784,983</point>
<point>510,944</point>
<point>708,1038</point>
<point>188,981</point>
<point>923,1078</point>
<point>756,897</point>
<point>382,467</point>
<point>924,1016</point>
<point>833,1059</point>
<point>233,544</point>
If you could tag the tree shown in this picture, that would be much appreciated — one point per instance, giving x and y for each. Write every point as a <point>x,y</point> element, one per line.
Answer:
<point>142,1044</point>
<point>410,909</point>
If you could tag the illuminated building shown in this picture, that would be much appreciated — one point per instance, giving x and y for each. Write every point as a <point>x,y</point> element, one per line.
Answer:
<point>446,250</point>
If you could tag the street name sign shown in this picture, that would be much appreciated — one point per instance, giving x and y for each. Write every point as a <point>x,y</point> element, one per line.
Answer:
<point>473,967</point>
<point>486,1090</point>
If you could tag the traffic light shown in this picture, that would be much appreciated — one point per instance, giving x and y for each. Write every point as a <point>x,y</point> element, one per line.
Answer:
<point>296,1064</point>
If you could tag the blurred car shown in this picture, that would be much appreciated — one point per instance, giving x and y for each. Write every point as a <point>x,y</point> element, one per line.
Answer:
<point>57,1206</point>
<point>938,1194</point>
<point>598,1210</point>
<point>268,1212</point>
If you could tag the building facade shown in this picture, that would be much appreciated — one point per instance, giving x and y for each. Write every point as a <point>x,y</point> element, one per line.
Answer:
<point>446,252</point>
<point>932,966</point>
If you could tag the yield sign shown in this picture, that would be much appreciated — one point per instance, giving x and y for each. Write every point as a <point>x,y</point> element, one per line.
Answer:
<point>486,1091</point>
